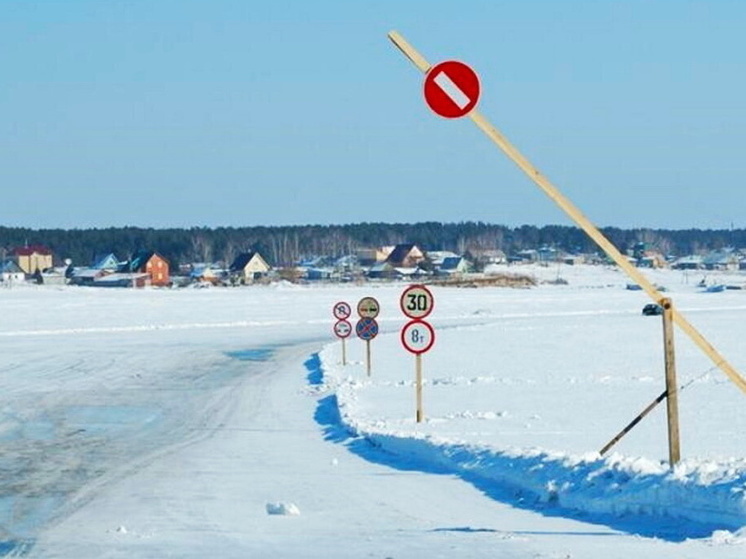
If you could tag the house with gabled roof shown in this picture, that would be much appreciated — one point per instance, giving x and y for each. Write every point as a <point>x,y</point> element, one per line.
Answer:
<point>406,255</point>
<point>108,262</point>
<point>33,258</point>
<point>454,265</point>
<point>10,272</point>
<point>723,259</point>
<point>151,263</point>
<point>249,266</point>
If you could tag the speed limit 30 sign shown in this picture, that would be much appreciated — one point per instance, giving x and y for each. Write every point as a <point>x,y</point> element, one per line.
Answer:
<point>416,301</point>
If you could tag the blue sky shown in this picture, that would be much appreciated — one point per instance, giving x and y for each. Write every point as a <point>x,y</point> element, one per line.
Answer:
<point>225,112</point>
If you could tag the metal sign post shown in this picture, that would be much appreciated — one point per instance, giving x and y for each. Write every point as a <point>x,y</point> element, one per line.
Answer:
<point>583,222</point>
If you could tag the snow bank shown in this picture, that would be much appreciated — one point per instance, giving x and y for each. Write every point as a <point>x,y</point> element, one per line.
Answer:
<point>712,493</point>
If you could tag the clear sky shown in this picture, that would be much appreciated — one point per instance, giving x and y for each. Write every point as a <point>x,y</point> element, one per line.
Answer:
<point>235,112</point>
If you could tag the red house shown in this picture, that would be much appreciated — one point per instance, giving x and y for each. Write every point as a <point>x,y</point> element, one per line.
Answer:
<point>153,264</point>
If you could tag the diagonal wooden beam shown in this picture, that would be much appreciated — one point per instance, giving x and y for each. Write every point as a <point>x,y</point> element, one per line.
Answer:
<point>577,216</point>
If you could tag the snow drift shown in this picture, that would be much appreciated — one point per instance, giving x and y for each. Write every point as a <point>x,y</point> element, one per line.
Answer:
<point>706,492</point>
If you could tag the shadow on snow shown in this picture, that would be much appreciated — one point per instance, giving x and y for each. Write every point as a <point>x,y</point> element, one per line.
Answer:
<point>327,416</point>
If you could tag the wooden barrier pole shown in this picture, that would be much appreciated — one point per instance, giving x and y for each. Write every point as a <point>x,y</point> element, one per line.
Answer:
<point>577,216</point>
<point>674,444</point>
<point>418,372</point>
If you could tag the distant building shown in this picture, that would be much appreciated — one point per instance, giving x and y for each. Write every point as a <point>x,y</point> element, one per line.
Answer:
<point>10,272</point>
<point>249,266</point>
<point>123,279</point>
<point>405,256</point>
<point>150,263</point>
<point>651,259</point>
<point>487,256</point>
<point>33,258</point>
<point>86,276</point>
<point>691,262</point>
<point>436,257</point>
<point>724,259</point>
<point>454,265</point>
<point>382,270</point>
<point>108,262</point>
<point>371,256</point>
<point>206,273</point>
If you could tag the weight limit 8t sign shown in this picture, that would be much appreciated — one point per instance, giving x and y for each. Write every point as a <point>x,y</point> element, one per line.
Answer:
<point>417,336</point>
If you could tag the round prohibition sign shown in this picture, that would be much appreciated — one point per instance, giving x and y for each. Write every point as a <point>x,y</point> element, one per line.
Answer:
<point>341,310</point>
<point>366,329</point>
<point>417,336</point>
<point>368,307</point>
<point>451,89</point>
<point>416,301</point>
<point>342,328</point>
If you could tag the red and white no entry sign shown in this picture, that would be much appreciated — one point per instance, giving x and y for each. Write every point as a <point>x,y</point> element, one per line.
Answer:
<point>451,89</point>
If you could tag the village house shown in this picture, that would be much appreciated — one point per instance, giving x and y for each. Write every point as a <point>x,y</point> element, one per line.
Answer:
<point>34,258</point>
<point>371,256</point>
<point>436,257</point>
<point>86,276</point>
<point>102,265</point>
<point>454,266</point>
<point>485,257</point>
<point>405,256</point>
<point>10,272</point>
<point>206,273</point>
<point>691,262</point>
<point>150,263</point>
<point>249,266</point>
<point>724,259</point>
<point>107,262</point>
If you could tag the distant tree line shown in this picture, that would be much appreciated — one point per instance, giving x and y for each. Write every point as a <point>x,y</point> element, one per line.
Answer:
<point>286,245</point>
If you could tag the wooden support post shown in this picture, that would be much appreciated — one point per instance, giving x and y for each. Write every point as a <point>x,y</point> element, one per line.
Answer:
<point>577,216</point>
<point>418,383</point>
<point>674,445</point>
<point>367,356</point>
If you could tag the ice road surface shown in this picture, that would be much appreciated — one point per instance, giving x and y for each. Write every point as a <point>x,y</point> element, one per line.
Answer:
<point>221,422</point>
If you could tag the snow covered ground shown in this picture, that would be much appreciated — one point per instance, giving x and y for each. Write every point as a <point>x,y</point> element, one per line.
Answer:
<point>221,422</point>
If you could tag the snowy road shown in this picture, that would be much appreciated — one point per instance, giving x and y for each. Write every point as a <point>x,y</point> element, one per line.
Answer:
<point>163,424</point>
<point>272,442</point>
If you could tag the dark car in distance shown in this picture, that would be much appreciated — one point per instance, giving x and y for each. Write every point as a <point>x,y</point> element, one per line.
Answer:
<point>652,309</point>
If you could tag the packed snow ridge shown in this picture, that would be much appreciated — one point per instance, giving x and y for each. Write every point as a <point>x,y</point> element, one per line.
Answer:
<point>712,493</point>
